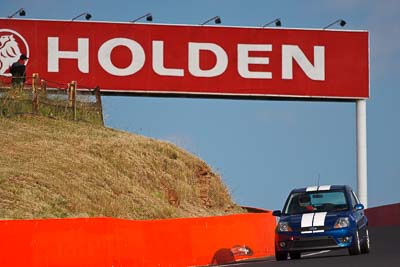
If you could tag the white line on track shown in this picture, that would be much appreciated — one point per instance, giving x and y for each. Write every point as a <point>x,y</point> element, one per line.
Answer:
<point>315,253</point>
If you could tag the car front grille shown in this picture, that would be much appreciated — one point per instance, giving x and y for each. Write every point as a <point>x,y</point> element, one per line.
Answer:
<point>314,242</point>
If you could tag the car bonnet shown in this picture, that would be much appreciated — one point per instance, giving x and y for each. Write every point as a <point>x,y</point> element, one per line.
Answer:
<point>314,221</point>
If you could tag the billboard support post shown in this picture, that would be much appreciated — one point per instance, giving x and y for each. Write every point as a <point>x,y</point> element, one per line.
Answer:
<point>361,122</point>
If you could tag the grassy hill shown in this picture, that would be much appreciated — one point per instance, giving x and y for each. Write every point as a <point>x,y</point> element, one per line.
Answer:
<point>54,168</point>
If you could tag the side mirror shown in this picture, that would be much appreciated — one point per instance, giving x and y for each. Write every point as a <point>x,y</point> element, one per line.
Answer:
<point>277,213</point>
<point>359,207</point>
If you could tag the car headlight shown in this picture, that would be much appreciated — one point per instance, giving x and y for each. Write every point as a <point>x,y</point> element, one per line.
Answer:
<point>284,227</point>
<point>342,222</point>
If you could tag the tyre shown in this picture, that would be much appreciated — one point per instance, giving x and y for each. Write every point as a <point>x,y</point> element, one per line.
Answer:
<point>365,245</point>
<point>280,256</point>
<point>295,255</point>
<point>355,248</point>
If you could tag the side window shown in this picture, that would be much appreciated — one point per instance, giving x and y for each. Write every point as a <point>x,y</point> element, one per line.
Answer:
<point>354,199</point>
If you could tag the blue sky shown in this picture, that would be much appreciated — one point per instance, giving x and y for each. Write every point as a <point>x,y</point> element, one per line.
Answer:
<point>263,149</point>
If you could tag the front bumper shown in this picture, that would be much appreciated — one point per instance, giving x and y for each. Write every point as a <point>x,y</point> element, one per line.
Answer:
<point>298,242</point>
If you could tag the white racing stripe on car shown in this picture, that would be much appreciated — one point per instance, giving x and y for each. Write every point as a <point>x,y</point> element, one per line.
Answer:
<point>324,187</point>
<point>318,188</point>
<point>311,188</point>
<point>313,219</point>
<point>315,253</point>
<point>319,219</point>
<point>307,220</point>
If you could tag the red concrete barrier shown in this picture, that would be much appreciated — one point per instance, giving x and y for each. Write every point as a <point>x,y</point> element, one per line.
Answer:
<point>388,215</point>
<point>109,242</point>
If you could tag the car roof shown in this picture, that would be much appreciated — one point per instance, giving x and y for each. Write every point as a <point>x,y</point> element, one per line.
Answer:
<point>321,188</point>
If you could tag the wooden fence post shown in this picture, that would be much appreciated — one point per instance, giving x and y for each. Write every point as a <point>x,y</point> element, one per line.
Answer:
<point>43,87</point>
<point>99,104</point>
<point>69,91</point>
<point>73,96</point>
<point>35,98</point>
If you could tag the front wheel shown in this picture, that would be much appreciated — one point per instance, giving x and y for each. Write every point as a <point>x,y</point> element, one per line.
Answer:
<point>355,248</point>
<point>280,256</point>
<point>365,246</point>
<point>295,255</point>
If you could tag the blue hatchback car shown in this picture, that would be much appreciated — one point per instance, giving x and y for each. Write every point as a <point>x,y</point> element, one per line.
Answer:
<point>319,218</point>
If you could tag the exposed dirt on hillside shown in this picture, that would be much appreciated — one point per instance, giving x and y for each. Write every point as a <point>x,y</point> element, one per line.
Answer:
<point>56,168</point>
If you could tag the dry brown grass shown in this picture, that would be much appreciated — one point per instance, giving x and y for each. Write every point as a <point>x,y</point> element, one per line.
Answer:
<point>56,168</point>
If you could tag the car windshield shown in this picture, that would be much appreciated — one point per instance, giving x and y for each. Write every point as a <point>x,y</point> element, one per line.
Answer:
<point>316,201</point>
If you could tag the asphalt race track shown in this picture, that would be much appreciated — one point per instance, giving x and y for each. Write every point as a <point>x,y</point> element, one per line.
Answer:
<point>385,252</point>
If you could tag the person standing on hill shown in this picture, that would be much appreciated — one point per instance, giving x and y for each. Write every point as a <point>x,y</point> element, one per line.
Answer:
<point>18,71</point>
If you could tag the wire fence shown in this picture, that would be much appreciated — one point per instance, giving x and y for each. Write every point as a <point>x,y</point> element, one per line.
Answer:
<point>22,95</point>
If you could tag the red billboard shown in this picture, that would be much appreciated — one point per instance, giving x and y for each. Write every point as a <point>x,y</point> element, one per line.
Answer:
<point>191,60</point>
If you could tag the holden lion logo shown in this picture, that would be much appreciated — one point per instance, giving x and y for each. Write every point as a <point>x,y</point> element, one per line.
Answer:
<point>12,46</point>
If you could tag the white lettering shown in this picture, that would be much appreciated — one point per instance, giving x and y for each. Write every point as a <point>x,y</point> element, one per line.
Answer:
<point>244,61</point>
<point>54,55</point>
<point>158,61</point>
<point>137,59</point>
<point>314,72</point>
<point>194,59</point>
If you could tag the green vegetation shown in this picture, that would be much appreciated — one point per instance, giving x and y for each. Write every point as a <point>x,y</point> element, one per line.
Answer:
<point>57,168</point>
